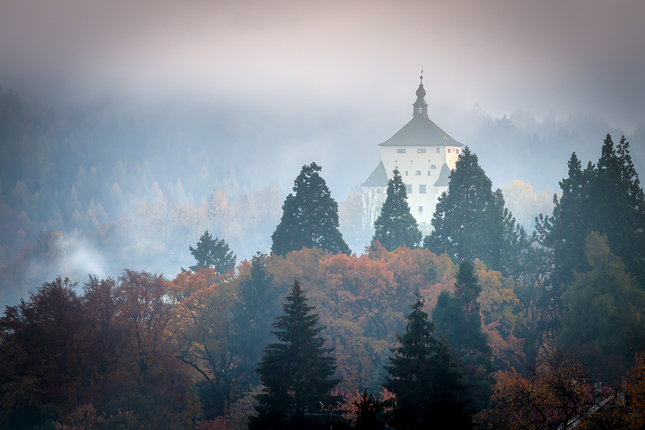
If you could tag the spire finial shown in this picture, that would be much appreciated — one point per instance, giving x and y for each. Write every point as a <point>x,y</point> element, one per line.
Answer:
<point>420,106</point>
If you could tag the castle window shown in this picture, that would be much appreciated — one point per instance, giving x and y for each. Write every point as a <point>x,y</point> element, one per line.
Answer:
<point>428,172</point>
<point>457,151</point>
<point>438,150</point>
<point>433,167</point>
<point>408,189</point>
<point>448,150</point>
<point>417,173</point>
<point>421,151</point>
<point>406,173</point>
<point>422,189</point>
<point>400,151</point>
<point>420,208</point>
<point>378,191</point>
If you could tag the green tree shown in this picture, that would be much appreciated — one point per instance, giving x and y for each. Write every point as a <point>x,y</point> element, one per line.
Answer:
<point>368,413</point>
<point>605,198</point>
<point>471,221</point>
<point>619,206</point>
<point>458,319</point>
<point>603,309</point>
<point>309,217</point>
<point>395,226</point>
<point>252,316</point>
<point>213,253</point>
<point>296,372</point>
<point>425,379</point>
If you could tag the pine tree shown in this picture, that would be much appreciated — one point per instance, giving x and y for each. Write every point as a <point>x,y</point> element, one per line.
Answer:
<point>395,226</point>
<point>605,198</point>
<point>213,253</point>
<point>296,372</point>
<point>252,316</point>
<point>458,319</point>
<point>309,217</point>
<point>368,413</point>
<point>634,257</point>
<point>471,222</point>
<point>425,379</point>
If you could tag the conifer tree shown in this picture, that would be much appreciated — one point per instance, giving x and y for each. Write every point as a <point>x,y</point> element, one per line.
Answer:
<point>252,317</point>
<point>457,318</point>
<point>425,379</point>
<point>368,413</point>
<point>309,217</point>
<point>395,226</point>
<point>213,253</point>
<point>603,311</point>
<point>605,198</point>
<point>471,221</point>
<point>619,206</point>
<point>296,371</point>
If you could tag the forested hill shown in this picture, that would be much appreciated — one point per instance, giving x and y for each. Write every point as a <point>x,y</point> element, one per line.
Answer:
<point>480,322</point>
<point>100,188</point>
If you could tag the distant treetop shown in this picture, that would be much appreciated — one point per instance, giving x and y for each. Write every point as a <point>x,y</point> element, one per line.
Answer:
<point>310,217</point>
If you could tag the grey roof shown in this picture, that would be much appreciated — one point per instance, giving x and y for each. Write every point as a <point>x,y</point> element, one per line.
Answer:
<point>378,178</point>
<point>421,131</point>
<point>444,176</point>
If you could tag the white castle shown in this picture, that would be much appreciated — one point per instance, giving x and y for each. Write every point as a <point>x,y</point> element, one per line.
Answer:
<point>425,155</point>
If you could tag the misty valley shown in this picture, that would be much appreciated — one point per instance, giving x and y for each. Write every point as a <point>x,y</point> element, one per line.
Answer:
<point>151,282</point>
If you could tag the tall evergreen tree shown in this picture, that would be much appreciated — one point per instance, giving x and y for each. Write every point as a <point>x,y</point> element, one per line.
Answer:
<point>605,198</point>
<point>566,229</point>
<point>619,206</point>
<point>296,372</point>
<point>458,319</point>
<point>252,317</point>
<point>309,217</point>
<point>213,253</point>
<point>425,379</point>
<point>471,222</point>
<point>395,226</point>
<point>603,312</point>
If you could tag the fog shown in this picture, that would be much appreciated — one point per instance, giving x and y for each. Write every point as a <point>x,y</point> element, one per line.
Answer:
<point>173,102</point>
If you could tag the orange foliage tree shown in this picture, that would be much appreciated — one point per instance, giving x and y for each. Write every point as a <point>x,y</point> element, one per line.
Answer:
<point>203,329</point>
<point>502,317</point>
<point>363,300</point>
<point>555,395</point>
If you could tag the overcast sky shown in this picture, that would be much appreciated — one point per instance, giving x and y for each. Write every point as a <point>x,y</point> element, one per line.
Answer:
<point>352,59</point>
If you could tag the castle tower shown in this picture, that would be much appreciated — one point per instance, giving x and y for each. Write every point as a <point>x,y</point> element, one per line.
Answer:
<point>424,154</point>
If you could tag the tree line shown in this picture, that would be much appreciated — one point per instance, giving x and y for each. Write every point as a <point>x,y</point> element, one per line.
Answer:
<point>519,326</point>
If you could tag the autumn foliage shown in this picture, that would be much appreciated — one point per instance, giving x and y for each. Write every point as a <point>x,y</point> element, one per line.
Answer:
<point>140,350</point>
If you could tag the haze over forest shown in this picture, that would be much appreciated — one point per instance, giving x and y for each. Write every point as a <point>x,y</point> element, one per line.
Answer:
<point>203,115</point>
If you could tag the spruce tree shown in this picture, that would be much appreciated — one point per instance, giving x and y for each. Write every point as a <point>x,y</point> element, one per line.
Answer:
<point>309,217</point>
<point>395,226</point>
<point>296,371</point>
<point>213,253</point>
<point>470,220</point>
<point>252,317</point>
<point>457,318</point>
<point>605,198</point>
<point>368,413</point>
<point>425,379</point>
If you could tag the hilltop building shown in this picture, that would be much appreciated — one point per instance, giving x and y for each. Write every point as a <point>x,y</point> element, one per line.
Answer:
<point>424,154</point>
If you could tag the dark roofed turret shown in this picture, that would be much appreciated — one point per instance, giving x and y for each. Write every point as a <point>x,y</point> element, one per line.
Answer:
<point>420,106</point>
<point>420,131</point>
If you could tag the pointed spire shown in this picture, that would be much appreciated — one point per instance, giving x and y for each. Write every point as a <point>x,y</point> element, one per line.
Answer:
<point>420,106</point>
